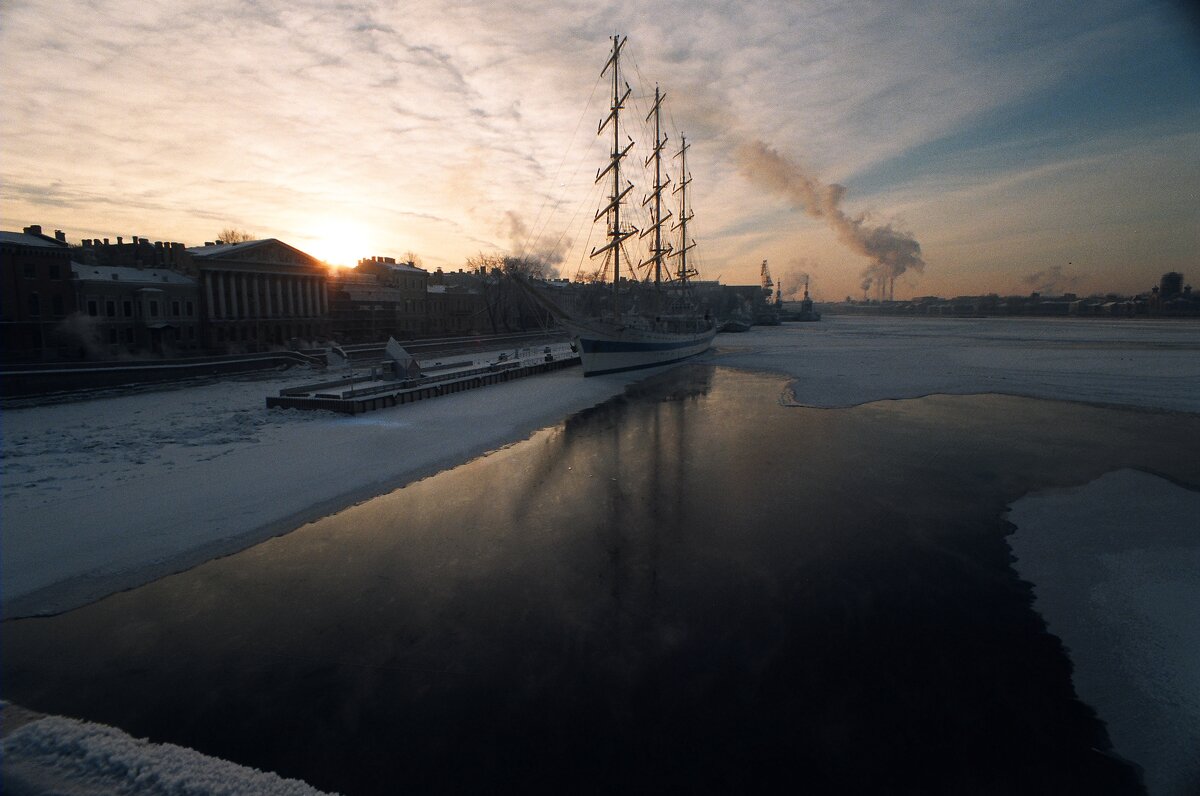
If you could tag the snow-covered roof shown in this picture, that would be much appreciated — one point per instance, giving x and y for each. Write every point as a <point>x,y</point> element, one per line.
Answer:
<point>404,268</point>
<point>24,239</point>
<point>116,273</point>
<point>224,248</point>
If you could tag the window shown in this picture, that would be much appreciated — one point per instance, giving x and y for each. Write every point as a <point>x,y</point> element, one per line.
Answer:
<point>56,302</point>
<point>30,270</point>
<point>35,305</point>
<point>127,308</point>
<point>112,335</point>
<point>153,309</point>
<point>129,335</point>
<point>174,309</point>
<point>54,270</point>
<point>191,310</point>
<point>110,308</point>
<point>92,308</point>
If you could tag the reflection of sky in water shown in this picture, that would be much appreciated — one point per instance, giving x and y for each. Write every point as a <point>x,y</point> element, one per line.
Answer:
<point>688,587</point>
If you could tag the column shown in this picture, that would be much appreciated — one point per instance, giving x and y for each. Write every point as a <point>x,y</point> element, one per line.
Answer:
<point>255,304</point>
<point>220,277</point>
<point>208,286</point>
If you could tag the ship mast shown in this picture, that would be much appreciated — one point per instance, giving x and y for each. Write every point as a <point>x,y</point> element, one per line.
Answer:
<point>685,215</point>
<point>613,208</point>
<point>660,249</point>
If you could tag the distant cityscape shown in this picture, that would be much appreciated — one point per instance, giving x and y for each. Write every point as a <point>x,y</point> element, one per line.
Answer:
<point>1171,297</point>
<point>105,299</point>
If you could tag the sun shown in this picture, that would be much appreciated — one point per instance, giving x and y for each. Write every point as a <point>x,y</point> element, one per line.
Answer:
<point>340,243</point>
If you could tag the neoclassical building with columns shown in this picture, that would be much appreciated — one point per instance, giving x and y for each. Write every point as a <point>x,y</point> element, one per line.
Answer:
<point>260,294</point>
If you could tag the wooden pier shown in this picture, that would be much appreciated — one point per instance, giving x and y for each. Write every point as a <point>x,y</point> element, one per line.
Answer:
<point>357,394</point>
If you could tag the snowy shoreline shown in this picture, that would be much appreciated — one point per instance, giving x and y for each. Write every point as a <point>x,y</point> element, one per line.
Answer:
<point>109,494</point>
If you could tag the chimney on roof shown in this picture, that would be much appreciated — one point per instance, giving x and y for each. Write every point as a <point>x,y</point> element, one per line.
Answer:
<point>208,243</point>
<point>120,240</point>
<point>33,229</point>
<point>60,236</point>
<point>106,241</point>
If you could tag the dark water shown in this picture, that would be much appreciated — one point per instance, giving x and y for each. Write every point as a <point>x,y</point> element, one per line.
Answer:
<point>690,588</point>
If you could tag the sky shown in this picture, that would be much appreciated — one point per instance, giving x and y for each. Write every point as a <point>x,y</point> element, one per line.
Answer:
<point>944,148</point>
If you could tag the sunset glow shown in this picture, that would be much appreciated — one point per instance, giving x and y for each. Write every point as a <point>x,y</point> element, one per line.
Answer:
<point>339,243</point>
<point>1021,146</point>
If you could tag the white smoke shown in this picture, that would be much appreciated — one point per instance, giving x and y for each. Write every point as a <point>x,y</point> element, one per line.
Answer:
<point>891,251</point>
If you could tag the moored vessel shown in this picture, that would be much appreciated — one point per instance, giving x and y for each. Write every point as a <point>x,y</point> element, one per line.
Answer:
<point>647,322</point>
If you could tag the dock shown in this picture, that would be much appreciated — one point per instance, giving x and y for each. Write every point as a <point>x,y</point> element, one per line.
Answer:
<point>378,388</point>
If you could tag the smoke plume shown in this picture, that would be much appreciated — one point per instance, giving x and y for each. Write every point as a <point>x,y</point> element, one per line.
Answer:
<point>1050,280</point>
<point>891,251</point>
<point>546,258</point>
<point>794,278</point>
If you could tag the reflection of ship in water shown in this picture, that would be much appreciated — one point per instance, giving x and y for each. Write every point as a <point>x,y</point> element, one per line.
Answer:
<point>643,497</point>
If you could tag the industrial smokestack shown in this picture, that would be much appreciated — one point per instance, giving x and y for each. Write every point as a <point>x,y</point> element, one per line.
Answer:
<point>891,251</point>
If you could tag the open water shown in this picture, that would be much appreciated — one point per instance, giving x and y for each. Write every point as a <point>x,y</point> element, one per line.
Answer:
<point>691,588</point>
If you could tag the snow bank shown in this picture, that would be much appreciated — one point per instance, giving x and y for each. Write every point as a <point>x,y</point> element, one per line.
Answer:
<point>1116,572</point>
<point>107,494</point>
<point>75,758</point>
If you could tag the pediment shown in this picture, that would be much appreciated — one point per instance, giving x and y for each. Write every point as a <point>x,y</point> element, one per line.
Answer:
<point>265,252</point>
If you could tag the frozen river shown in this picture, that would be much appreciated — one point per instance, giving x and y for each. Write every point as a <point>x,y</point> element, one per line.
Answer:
<point>781,546</point>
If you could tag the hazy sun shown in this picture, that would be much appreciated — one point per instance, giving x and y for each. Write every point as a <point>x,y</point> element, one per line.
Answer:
<point>339,243</point>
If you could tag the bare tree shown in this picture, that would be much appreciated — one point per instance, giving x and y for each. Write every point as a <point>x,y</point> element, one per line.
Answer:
<point>532,267</point>
<point>413,259</point>
<point>234,235</point>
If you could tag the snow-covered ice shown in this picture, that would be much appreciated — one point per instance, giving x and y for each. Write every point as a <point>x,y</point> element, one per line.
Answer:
<point>850,360</point>
<point>1116,571</point>
<point>76,758</point>
<point>103,495</point>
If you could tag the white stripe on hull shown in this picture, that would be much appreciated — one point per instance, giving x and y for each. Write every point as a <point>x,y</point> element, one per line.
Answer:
<point>609,354</point>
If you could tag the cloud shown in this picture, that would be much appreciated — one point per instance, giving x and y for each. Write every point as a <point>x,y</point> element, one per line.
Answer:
<point>267,113</point>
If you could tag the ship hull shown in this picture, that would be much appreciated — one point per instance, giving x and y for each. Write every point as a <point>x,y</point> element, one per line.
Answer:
<point>619,349</point>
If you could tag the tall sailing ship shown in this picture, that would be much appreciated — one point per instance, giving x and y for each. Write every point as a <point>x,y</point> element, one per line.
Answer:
<point>645,325</point>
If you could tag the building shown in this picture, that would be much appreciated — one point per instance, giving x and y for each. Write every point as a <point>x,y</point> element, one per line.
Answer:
<point>132,310</point>
<point>260,294</point>
<point>383,299</point>
<point>1170,285</point>
<point>36,297</point>
<point>139,252</point>
<point>456,304</point>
